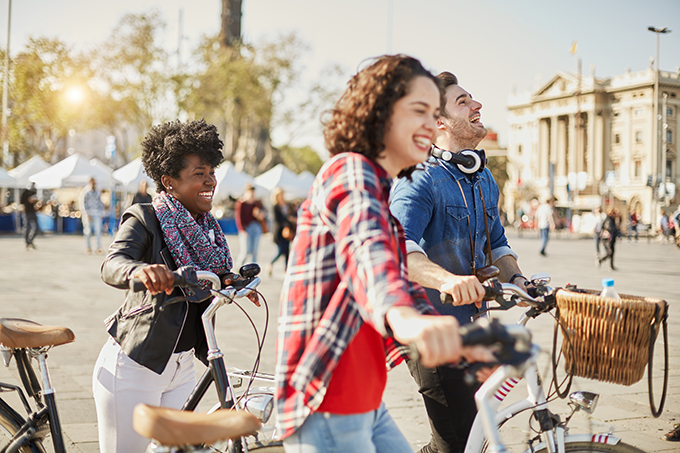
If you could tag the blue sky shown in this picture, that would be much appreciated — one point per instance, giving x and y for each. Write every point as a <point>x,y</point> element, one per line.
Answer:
<point>492,46</point>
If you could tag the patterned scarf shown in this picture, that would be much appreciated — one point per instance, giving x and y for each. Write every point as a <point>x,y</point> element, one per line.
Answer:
<point>192,242</point>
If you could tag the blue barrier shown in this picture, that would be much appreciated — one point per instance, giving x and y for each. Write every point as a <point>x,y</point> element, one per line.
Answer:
<point>228,226</point>
<point>7,223</point>
<point>45,223</point>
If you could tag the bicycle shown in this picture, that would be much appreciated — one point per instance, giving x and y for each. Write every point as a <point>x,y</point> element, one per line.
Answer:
<point>553,433</point>
<point>259,402</point>
<point>26,340</point>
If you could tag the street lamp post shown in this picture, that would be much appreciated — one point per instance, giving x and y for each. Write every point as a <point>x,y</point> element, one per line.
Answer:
<point>659,167</point>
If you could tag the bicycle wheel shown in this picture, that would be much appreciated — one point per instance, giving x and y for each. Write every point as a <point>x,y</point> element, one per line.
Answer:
<point>596,447</point>
<point>8,427</point>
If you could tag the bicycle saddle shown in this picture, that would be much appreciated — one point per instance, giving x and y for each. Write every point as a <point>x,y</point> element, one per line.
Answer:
<point>172,427</point>
<point>23,333</point>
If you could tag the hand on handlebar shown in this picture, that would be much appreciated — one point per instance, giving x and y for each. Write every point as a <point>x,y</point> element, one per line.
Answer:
<point>157,278</point>
<point>435,337</point>
<point>464,289</point>
<point>231,278</point>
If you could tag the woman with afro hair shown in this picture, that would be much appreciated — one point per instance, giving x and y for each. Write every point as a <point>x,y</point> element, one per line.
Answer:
<point>148,357</point>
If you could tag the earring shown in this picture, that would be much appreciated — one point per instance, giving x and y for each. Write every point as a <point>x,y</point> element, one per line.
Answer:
<point>169,187</point>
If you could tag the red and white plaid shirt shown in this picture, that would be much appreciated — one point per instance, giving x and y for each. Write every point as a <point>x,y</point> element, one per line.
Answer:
<point>347,267</point>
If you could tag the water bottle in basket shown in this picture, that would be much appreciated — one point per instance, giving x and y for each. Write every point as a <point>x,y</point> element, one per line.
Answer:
<point>608,289</point>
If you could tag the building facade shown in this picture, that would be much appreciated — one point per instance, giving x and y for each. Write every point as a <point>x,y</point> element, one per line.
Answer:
<point>594,142</point>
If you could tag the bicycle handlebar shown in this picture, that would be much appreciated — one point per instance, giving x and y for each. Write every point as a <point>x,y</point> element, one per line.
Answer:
<point>184,277</point>
<point>492,289</point>
<point>188,277</point>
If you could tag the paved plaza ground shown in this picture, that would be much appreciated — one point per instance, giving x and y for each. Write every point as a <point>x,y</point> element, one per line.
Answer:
<point>58,284</point>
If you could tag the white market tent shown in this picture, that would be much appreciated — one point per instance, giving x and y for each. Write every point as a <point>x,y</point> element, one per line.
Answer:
<point>231,182</point>
<point>74,171</point>
<point>22,172</point>
<point>307,178</point>
<point>5,179</point>
<point>131,174</point>
<point>286,179</point>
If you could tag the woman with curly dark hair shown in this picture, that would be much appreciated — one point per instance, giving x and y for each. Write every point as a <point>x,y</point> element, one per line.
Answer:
<point>346,299</point>
<point>148,357</point>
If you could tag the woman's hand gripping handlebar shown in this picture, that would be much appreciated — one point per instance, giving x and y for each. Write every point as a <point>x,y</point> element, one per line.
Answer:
<point>158,278</point>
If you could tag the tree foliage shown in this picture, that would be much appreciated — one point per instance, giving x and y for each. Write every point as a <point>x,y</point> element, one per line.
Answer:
<point>127,85</point>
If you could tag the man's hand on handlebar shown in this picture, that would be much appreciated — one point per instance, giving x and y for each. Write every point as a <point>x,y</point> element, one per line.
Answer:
<point>231,278</point>
<point>157,278</point>
<point>465,289</point>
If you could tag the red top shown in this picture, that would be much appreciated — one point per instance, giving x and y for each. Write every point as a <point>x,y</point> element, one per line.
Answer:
<point>358,382</point>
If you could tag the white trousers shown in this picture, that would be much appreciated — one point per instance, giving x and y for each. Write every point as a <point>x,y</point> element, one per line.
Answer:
<point>119,384</point>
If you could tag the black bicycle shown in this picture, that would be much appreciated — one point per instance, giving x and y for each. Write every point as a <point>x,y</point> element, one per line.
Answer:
<point>234,386</point>
<point>27,341</point>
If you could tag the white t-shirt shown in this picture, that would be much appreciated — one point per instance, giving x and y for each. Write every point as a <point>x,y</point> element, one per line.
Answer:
<point>543,215</point>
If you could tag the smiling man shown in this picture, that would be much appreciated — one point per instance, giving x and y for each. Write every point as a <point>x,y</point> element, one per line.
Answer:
<point>453,230</point>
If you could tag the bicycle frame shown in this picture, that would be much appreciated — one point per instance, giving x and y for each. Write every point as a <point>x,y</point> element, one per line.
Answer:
<point>31,428</point>
<point>261,403</point>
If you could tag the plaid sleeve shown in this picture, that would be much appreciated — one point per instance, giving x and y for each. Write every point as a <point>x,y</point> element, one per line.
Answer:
<point>367,255</point>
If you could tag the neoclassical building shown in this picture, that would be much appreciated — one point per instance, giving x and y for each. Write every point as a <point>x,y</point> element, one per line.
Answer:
<point>591,141</point>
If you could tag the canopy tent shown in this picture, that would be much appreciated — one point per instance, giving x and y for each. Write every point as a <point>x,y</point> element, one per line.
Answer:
<point>286,179</point>
<point>231,182</point>
<point>22,172</point>
<point>307,178</point>
<point>5,179</point>
<point>131,175</point>
<point>74,171</point>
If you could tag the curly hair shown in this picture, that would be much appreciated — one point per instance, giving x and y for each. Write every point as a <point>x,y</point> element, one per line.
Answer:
<point>166,146</point>
<point>361,116</point>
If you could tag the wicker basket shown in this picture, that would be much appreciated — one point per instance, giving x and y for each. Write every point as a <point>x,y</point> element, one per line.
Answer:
<point>608,339</point>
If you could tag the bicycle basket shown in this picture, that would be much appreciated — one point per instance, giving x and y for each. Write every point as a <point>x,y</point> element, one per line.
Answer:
<point>608,339</point>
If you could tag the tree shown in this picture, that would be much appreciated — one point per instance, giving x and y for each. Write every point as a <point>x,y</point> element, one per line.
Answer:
<point>135,77</point>
<point>41,115</point>
<point>301,159</point>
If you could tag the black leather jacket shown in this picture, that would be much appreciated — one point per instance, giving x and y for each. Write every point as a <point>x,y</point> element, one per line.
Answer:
<point>147,335</point>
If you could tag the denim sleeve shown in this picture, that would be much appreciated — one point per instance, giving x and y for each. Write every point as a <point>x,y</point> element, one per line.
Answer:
<point>412,204</point>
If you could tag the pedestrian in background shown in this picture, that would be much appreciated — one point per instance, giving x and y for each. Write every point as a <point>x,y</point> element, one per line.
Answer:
<point>251,223</point>
<point>663,226</point>
<point>609,234</point>
<point>142,196</point>
<point>599,220</point>
<point>632,224</point>
<point>284,228</point>
<point>30,203</point>
<point>92,212</point>
<point>545,222</point>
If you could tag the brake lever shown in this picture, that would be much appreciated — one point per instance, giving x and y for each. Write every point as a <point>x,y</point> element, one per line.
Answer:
<point>172,300</point>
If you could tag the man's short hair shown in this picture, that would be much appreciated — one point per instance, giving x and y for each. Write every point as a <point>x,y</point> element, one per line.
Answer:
<point>447,79</point>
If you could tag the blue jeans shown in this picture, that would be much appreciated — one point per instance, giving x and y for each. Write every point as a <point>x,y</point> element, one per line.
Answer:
<point>92,225</point>
<point>370,432</point>
<point>545,235</point>
<point>249,241</point>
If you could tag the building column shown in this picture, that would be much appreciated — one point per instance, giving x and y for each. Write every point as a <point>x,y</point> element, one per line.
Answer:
<point>543,147</point>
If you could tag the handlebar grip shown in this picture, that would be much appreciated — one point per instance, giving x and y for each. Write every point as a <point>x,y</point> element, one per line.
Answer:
<point>490,293</point>
<point>184,277</point>
<point>482,332</point>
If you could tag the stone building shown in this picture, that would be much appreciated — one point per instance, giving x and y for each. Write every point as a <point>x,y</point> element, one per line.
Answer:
<point>592,141</point>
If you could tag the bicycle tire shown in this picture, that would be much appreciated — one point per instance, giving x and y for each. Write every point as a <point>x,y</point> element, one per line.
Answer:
<point>8,427</point>
<point>596,447</point>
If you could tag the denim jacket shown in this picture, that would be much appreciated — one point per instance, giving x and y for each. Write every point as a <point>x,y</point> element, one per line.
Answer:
<point>434,215</point>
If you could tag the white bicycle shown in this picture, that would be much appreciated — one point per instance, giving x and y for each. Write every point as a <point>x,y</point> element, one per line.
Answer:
<point>519,359</point>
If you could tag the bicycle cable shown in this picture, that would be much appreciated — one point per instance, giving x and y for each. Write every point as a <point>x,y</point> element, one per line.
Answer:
<point>260,342</point>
